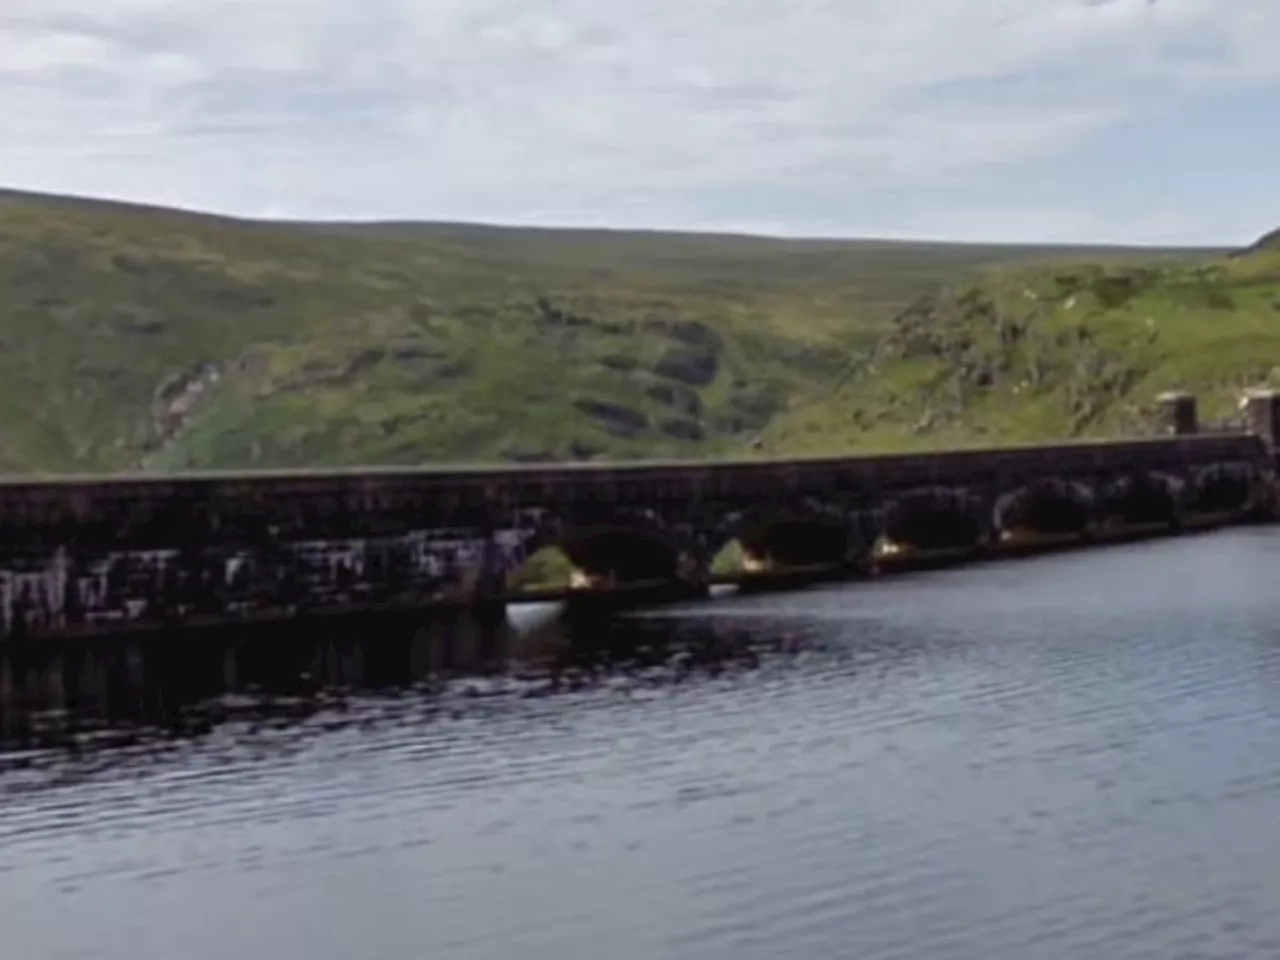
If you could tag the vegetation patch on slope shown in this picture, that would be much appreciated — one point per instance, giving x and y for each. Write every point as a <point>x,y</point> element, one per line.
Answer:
<point>1032,352</point>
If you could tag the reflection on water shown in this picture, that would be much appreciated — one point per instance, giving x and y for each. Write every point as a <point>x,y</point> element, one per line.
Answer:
<point>72,697</point>
<point>1072,757</point>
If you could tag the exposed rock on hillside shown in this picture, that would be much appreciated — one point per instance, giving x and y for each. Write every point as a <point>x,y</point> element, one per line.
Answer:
<point>986,343</point>
<point>551,316</point>
<point>619,420</point>
<point>619,361</point>
<point>176,401</point>
<point>697,368</point>
<point>694,333</point>
<point>677,396</point>
<point>683,429</point>
<point>750,408</point>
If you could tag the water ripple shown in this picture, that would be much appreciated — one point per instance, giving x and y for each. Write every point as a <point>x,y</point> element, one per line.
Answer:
<point>1069,758</point>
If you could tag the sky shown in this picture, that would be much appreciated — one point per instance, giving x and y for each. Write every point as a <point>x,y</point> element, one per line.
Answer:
<point>1129,121</point>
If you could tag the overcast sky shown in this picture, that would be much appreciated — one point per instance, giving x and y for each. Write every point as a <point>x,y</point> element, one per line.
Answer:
<point>1090,120</point>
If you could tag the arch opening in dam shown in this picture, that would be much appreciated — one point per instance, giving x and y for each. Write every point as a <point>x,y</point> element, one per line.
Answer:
<point>1222,489</point>
<point>619,555</point>
<point>780,540</point>
<point>1143,498</point>
<point>931,519</point>
<point>1051,507</point>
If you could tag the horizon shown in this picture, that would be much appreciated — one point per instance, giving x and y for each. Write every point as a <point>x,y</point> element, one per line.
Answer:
<point>1116,123</point>
<point>918,241</point>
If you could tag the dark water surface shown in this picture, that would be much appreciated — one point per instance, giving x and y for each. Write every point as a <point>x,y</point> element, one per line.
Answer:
<point>1068,757</point>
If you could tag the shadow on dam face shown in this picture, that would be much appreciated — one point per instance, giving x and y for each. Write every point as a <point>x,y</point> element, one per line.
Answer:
<point>103,693</point>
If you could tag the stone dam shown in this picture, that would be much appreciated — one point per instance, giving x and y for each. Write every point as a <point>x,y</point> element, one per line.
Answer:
<point>95,557</point>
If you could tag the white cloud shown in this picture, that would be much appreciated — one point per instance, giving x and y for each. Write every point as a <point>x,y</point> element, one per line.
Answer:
<point>610,111</point>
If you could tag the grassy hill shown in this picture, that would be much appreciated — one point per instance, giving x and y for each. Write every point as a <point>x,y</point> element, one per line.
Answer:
<point>138,338</point>
<point>1028,352</point>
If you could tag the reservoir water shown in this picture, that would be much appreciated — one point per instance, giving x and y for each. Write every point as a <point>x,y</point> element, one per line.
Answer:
<point>1067,757</point>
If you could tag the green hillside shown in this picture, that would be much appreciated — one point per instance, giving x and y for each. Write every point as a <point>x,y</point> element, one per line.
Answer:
<point>141,338</point>
<point>1025,353</point>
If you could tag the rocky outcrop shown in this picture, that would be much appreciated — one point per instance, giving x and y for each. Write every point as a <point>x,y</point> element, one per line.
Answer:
<point>548,315</point>
<point>423,361</point>
<point>695,367</point>
<point>619,420</point>
<point>411,350</point>
<point>682,429</point>
<point>136,321</point>
<point>749,410</point>
<point>983,342</point>
<point>175,402</point>
<point>693,333</point>
<point>679,397</point>
<point>620,362</point>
